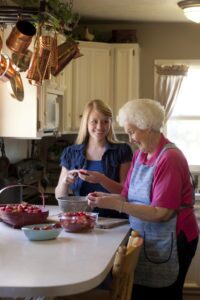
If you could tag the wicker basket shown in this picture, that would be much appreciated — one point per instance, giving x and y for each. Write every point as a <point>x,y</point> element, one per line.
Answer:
<point>20,219</point>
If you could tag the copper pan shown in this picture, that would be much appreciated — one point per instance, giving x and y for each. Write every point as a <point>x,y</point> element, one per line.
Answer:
<point>38,66</point>
<point>21,61</point>
<point>21,36</point>
<point>66,52</point>
<point>45,54</point>
<point>44,62</point>
<point>64,48</point>
<point>17,87</point>
<point>33,72</point>
<point>54,53</point>
<point>6,69</point>
<point>1,43</point>
<point>63,62</point>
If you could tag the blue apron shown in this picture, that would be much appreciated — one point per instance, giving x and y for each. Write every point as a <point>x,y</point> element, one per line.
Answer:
<point>158,262</point>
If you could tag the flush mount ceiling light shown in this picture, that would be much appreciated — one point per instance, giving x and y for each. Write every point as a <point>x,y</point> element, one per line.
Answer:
<point>191,9</point>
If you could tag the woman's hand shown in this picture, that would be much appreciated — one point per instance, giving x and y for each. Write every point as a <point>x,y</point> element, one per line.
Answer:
<point>91,176</point>
<point>104,200</point>
<point>71,176</point>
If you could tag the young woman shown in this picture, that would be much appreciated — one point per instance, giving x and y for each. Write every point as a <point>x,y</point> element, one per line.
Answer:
<point>158,198</point>
<point>97,161</point>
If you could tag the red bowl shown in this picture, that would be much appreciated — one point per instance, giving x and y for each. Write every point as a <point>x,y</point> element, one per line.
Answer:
<point>19,215</point>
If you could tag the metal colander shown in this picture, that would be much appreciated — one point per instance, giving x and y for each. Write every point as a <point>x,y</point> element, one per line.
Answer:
<point>73,203</point>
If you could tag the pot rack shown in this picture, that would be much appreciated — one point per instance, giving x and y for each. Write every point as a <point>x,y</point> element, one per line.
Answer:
<point>11,14</point>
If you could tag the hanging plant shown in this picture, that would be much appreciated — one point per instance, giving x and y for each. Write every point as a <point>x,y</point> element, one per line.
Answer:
<point>53,14</point>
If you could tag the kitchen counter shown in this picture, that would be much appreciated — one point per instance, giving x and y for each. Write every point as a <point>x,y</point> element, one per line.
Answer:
<point>72,263</point>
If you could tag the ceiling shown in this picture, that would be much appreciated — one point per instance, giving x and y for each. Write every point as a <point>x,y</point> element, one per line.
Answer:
<point>129,10</point>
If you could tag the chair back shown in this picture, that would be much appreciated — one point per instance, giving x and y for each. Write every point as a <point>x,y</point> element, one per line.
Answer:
<point>124,267</point>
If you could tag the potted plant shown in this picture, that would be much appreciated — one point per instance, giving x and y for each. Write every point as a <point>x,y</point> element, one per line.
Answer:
<point>53,14</point>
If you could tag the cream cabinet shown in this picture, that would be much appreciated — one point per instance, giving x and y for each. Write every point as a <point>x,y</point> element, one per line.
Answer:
<point>17,118</point>
<point>36,115</point>
<point>125,72</point>
<point>91,78</point>
<point>106,71</point>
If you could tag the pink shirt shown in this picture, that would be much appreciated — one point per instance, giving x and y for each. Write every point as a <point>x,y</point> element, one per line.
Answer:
<point>171,186</point>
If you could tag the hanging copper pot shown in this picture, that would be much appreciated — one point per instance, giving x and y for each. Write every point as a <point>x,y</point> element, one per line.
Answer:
<point>6,69</point>
<point>66,52</point>
<point>17,87</point>
<point>40,61</point>
<point>1,43</point>
<point>33,73</point>
<point>54,52</point>
<point>45,54</point>
<point>47,75</point>
<point>21,61</point>
<point>44,62</point>
<point>64,48</point>
<point>21,36</point>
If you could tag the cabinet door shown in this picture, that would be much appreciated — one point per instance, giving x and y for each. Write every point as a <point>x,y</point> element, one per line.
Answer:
<point>91,77</point>
<point>125,66</point>
<point>18,119</point>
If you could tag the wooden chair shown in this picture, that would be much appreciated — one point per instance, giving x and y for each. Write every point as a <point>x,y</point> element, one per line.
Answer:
<point>123,269</point>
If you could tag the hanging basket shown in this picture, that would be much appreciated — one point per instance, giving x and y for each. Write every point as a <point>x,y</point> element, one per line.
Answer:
<point>19,215</point>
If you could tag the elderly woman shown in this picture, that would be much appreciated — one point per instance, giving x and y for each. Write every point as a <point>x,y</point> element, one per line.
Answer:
<point>158,197</point>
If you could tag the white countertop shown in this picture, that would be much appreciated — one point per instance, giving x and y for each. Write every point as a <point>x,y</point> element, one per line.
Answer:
<point>72,263</point>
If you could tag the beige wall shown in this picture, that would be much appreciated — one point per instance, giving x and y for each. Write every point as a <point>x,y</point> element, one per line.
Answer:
<point>159,41</point>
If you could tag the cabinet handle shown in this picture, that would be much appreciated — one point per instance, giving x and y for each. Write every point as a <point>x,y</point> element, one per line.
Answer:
<point>133,52</point>
<point>80,116</point>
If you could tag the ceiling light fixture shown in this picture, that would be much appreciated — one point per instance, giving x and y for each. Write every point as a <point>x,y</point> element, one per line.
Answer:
<point>191,9</point>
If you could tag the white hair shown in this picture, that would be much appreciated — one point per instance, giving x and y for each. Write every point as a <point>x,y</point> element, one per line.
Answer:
<point>143,113</point>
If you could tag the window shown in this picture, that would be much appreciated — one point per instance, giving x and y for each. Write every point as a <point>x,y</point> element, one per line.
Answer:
<point>183,126</point>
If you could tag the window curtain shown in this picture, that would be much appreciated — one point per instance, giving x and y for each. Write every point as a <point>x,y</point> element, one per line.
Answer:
<point>168,83</point>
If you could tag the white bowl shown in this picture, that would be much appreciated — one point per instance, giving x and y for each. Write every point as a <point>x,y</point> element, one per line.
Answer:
<point>73,204</point>
<point>41,232</point>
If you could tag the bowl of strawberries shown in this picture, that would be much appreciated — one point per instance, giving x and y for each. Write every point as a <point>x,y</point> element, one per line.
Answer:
<point>42,232</point>
<point>78,221</point>
<point>18,215</point>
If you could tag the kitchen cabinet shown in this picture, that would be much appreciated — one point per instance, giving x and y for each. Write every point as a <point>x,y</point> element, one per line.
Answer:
<point>125,72</point>
<point>91,77</point>
<point>31,117</point>
<point>106,71</point>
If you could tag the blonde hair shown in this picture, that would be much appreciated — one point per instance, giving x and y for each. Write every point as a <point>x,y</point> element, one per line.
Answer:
<point>143,113</point>
<point>101,107</point>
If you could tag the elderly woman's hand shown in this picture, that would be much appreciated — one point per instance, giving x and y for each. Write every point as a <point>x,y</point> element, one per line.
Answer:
<point>104,200</point>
